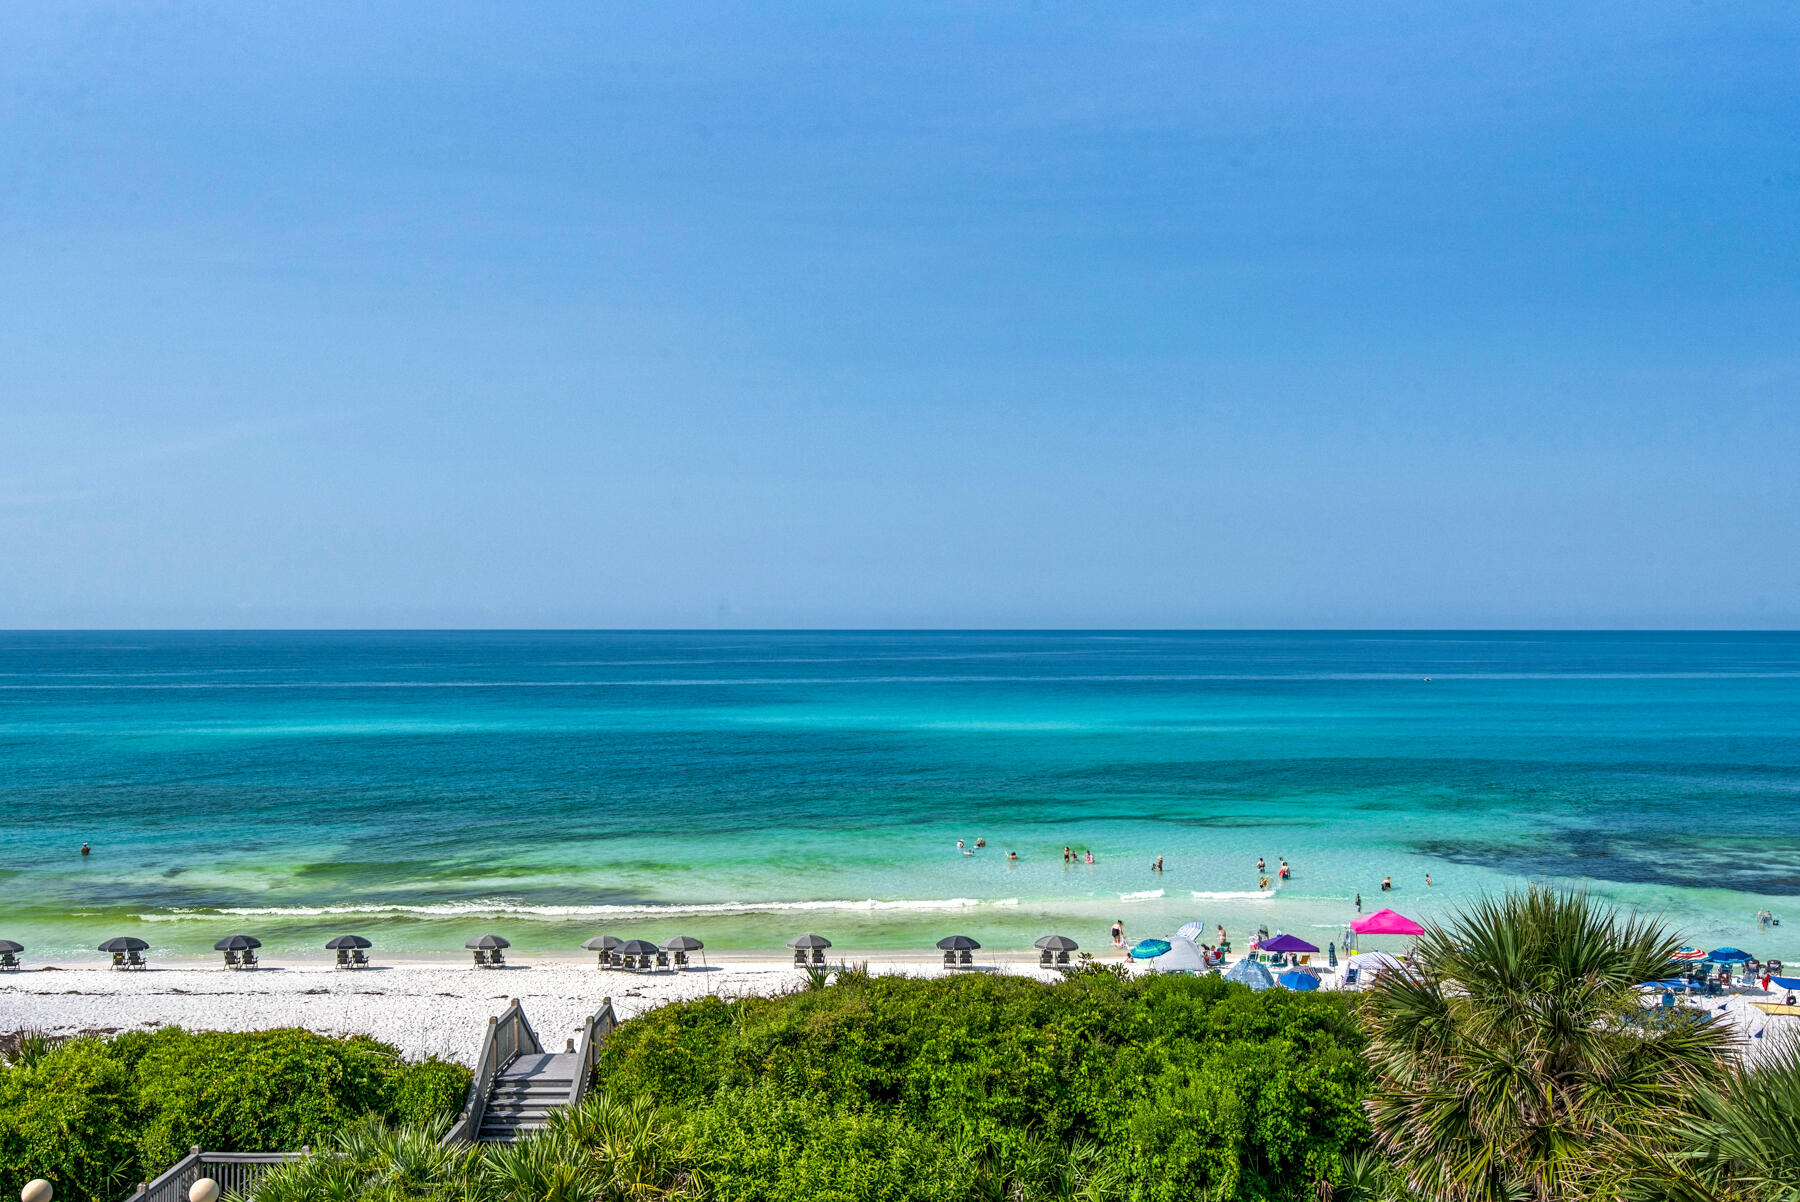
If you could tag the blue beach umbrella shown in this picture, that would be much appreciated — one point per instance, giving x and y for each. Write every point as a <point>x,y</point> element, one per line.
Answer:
<point>1728,955</point>
<point>1149,949</point>
<point>1249,972</point>
<point>1786,982</point>
<point>1305,982</point>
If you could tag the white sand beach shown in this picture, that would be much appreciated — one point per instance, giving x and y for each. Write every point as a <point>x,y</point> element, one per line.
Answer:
<point>422,1007</point>
<point>439,1007</point>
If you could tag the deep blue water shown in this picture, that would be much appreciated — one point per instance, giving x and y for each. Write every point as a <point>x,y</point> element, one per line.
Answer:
<point>744,786</point>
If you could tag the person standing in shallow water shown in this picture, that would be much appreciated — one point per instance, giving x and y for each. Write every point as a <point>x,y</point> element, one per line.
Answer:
<point>1359,903</point>
<point>1118,932</point>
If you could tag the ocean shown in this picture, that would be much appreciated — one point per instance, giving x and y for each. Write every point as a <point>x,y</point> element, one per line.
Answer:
<point>420,788</point>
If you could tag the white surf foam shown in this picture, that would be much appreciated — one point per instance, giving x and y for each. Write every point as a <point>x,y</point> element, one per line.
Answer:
<point>1146,895</point>
<point>1236,894</point>
<point>500,907</point>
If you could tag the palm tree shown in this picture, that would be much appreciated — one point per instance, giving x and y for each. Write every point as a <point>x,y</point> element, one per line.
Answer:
<point>1742,1145</point>
<point>1515,1062</point>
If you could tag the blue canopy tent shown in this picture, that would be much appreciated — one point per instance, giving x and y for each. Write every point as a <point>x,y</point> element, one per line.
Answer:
<point>1249,972</point>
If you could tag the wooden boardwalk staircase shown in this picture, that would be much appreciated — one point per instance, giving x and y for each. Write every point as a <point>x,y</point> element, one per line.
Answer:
<point>518,1083</point>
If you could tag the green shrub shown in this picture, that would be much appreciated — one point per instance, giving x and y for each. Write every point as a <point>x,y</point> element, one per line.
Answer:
<point>95,1117</point>
<point>890,1087</point>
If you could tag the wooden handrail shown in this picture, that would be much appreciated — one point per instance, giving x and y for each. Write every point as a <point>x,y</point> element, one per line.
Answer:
<point>593,1034</point>
<point>508,1036</point>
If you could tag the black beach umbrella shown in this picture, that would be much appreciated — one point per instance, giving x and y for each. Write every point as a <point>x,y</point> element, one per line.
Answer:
<point>810,941</point>
<point>637,947</point>
<point>237,943</point>
<point>348,943</point>
<point>487,943</point>
<point>11,948</point>
<point>1058,943</point>
<point>957,943</point>
<point>125,943</point>
<point>683,943</point>
<point>602,943</point>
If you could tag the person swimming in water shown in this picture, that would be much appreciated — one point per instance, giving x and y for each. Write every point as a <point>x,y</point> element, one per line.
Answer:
<point>1387,884</point>
<point>1157,867</point>
<point>1428,880</point>
<point>1259,864</point>
<point>1284,871</point>
<point>1012,855</point>
<point>85,849</point>
<point>1068,855</point>
<point>981,843</point>
<point>1090,857</point>
<point>1263,884</point>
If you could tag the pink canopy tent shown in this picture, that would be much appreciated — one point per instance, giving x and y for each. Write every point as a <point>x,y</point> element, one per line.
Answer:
<point>1386,922</point>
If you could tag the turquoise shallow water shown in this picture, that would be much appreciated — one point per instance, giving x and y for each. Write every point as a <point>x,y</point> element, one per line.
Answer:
<point>744,787</point>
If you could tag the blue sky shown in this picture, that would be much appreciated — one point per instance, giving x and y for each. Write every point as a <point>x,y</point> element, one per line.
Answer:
<point>910,315</point>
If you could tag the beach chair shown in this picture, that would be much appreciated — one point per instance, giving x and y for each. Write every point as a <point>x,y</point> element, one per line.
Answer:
<point>231,959</point>
<point>799,957</point>
<point>357,959</point>
<point>481,960</point>
<point>496,960</point>
<point>133,960</point>
<point>1350,975</point>
<point>343,960</point>
<point>1062,959</point>
<point>681,960</point>
<point>8,962</point>
<point>249,960</point>
<point>1305,960</point>
<point>1668,999</point>
<point>1047,959</point>
<point>118,960</point>
<point>1712,987</point>
<point>818,956</point>
<point>662,960</point>
<point>968,958</point>
<point>615,960</point>
<point>949,959</point>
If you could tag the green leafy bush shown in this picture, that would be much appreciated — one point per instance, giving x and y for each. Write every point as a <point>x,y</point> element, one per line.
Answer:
<point>95,1117</point>
<point>889,1087</point>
